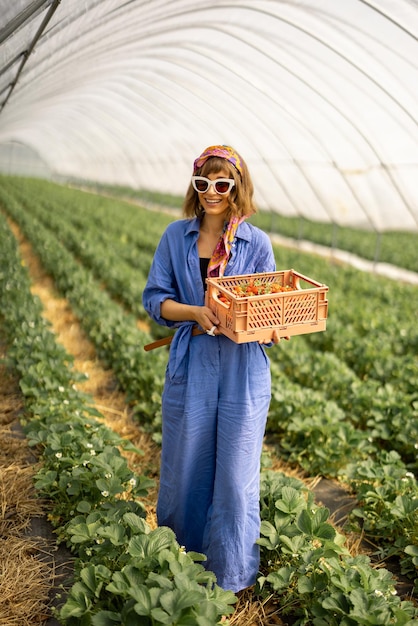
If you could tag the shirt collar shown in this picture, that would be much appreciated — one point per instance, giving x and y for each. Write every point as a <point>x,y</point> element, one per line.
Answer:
<point>243,230</point>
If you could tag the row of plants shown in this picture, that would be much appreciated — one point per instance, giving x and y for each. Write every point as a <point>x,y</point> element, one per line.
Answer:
<point>309,568</point>
<point>388,357</point>
<point>395,247</point>
<point>370,390</point>
<point>124,571</point>
<point>117,252</point>
<point>112,330</point>
<point>314,430</point>
<point>366,360</point>
<point>333,435</point>
<point>110,216</point>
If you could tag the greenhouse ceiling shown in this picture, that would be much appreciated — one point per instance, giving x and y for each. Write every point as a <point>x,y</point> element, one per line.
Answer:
<point>319,96</point>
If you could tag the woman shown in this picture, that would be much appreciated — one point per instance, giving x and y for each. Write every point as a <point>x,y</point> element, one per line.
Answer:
<point>217,393</point>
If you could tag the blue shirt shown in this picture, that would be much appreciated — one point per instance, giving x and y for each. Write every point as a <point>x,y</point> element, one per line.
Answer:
<point>175,272</point>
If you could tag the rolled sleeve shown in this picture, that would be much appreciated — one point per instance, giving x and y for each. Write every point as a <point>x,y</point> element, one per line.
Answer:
<point>160,284</point>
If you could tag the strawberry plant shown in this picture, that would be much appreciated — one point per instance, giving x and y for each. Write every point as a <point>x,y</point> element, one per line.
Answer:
<point>114,333</point>
<point>308,567</point>
<point>387,513</point>
<point>83,472</point>
<point>146,573</point>
<point>339,398</point>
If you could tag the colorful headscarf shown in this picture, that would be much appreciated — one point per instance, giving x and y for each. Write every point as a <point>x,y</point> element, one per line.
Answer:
<point>223,152</point>
<point>220,255</point>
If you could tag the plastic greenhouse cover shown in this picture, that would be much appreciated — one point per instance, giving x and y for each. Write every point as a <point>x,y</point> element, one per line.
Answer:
<point>319,96</point>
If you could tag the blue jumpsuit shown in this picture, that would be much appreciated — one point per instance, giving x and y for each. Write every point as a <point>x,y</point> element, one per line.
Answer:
<point>215,403</point>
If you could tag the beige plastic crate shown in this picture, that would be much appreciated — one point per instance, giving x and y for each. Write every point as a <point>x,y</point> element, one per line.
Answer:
<point>301,310</point>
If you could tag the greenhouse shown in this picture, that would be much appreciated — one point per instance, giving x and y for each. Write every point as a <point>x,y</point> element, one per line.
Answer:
<point>104,107</point>
<point>320,97</point>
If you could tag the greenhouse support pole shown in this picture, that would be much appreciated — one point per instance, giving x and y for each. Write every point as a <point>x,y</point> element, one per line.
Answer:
<point>377,247</point>
<point>26,54</point>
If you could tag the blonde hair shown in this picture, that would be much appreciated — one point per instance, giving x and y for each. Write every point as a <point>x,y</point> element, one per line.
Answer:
<point>240,199</point>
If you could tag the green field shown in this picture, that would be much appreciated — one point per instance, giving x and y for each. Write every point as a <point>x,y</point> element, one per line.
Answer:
<point>344,406</point>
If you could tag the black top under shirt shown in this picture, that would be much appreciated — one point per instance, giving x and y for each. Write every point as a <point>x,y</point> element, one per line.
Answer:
<point>204,263</point>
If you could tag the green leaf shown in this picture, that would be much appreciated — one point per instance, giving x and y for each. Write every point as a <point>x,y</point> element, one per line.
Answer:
<point>94,576</point>
<point>83,507</point>
<point>222,599</point>
<point>45,480</point>
<point>142,546</point>
<point>144,603</point>
<point>292,501</point>
<point>403,506</point>
<point>129,447</point>
<point>197,556</point>
<point>315,525</point>
<point>281,579</point>
<point>161,616</point>
<point>137,546</point>
<point>78,602</point>
<point>74,488</point>
<point>160,539</point>
<point>175,602</point>
<point>136,524</point>
<point>412,550</point>
<point>82,533</point>
<point>305,522</point>
<point>160,580</point>
<point>293,545</point>
<point>114,532</point>
<point>72,608</point>
<point>337,603</point>
<point>368,609</point>
<point>119,585</point>
<point>106,618</point>
<point>305,584</point>
<point>129,583</point>
<point>270,536</point>
<point>112,486</point>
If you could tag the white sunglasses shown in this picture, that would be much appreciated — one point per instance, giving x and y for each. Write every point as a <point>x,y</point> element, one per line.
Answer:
<point>220,185</point>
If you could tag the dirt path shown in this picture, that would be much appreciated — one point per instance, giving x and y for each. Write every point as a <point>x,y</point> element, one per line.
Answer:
<point>27,563</point>
<point>100,383</point>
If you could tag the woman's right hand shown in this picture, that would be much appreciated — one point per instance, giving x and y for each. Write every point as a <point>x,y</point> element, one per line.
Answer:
<point>178,312</point>
<point>206,319</point>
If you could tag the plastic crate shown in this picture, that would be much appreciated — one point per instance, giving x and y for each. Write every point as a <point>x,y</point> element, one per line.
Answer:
<point>301,310</point>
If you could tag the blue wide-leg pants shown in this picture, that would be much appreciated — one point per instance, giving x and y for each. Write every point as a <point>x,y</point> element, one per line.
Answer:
<point>214,416</point>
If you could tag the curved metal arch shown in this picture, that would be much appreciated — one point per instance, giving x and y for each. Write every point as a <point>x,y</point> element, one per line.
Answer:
<point>304,174</point>
<point>355,66</point>
<point>371,145</point>
<point>314,191</point>
<point>170,61</point>
<point>370,5</point>
<point>25,55</point>
<point>349,121</point>
<point>323,146</point>
<point>22,18</point>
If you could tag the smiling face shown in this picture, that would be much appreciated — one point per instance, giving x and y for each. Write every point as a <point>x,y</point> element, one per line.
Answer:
<point>237,202</point>
<point>212,202</point>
